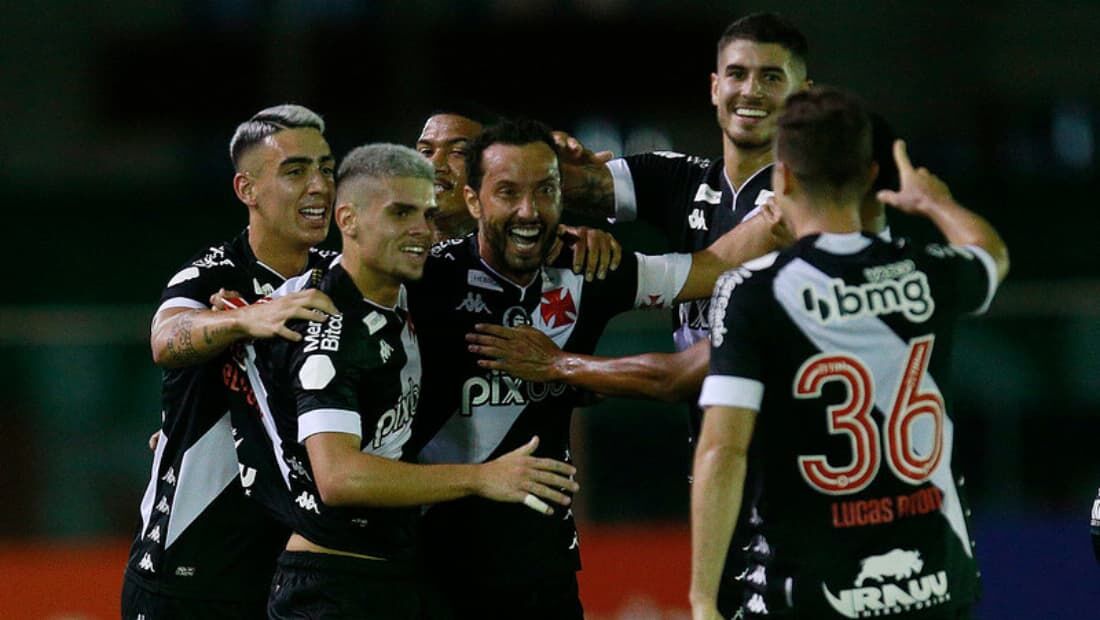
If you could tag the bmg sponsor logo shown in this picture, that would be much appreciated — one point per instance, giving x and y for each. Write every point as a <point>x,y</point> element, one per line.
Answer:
<point>888,584</point>
<point>909,295</point>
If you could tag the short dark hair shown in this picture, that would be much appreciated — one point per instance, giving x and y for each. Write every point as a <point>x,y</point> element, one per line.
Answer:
<point>768,28</point>
<point>467,109</point>
<point>824,137</point>
<point>517,132</point>
<point>267,122</point>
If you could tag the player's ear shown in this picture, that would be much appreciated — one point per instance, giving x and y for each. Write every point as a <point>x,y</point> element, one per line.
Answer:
<point>714,89</point>
<point>782,179</point>
<point>473,205</point>
<point>245,188</point>
<point>347,219</point>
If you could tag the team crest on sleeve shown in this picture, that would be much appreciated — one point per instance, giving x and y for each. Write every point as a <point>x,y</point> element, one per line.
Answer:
<point>316,372</point>
<point>184,275</point>
<point>557,308</point>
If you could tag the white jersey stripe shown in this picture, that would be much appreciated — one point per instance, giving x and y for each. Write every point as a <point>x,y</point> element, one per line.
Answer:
<point>886,356</point>
<point>260,390</point>
<point>626,203</point>
<point>207,468</point>
<point>150,496</point>
<point>991,271</point>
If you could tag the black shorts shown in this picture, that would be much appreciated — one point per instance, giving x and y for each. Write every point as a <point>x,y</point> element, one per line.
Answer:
<point>140,603</point>
<point>324,586</point>
<point>547,598</point>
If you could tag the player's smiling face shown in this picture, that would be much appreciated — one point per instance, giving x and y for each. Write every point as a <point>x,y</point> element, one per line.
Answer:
<point>292,185</point>
<point>748,91</point>
<point>518,207</point>
<point>393,231</point>
<point>443,141</point>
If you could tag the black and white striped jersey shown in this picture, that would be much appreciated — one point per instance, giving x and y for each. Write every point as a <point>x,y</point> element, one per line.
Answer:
<point>842,345</point>
<point>357,373</point>
<point>470,415</point>
<point>689,199</point>
<point>199,536</point>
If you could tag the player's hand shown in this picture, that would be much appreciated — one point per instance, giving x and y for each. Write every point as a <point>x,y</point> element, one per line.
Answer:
<point>523,352</point>
<point>154,439</point>
<point>595,251</point>
<point>572,153</point>
<point>520,478</point>
<point>920,191</point>
<point>226,300</point>
<point>265,320</point>
<point>781,231</point>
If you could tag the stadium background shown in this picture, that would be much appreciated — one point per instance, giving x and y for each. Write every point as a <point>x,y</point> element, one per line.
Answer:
<point>114,169</point>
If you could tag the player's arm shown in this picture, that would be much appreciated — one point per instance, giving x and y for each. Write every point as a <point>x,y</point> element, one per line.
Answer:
<point>345,476</point>
<point>750,239</point>
<point>187,336</point>
<point>716,494</point>
<point>531,355</point>
<point>922,193</point>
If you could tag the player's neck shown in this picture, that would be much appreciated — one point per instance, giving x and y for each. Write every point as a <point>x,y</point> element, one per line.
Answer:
<point>827,217</point>
<point>289,259</point>
<point>454,226</point>
<point>380,288</point>
<point>741,162</point>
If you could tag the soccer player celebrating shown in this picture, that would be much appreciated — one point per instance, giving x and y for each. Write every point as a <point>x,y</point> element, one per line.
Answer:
<point>202,550</point>
<point>338,405</point>
<point>494,560</point>
<point>857,513</point>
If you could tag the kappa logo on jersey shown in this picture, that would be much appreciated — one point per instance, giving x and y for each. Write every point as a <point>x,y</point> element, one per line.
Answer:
<point>154,534</point>
<point>297,467</point>
<point>146,563</point>
<point>399,416</point>
<point>163,505</point>
<point>909,295</point>
<point>324,336</point>
<point>473,303</point>
<point>897,587</point>
<point>502,389</point>
<point>385,350</point>
<point>169,476</point>
<point>306,501</point>
<point>697,221</point>
<point>557,308</point>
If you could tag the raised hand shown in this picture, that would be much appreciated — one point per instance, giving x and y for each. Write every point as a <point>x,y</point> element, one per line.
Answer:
<point>920,191</point>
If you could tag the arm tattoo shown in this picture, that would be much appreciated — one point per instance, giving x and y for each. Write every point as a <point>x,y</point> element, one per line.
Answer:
<point>180,347</point>
<point>591,192</point>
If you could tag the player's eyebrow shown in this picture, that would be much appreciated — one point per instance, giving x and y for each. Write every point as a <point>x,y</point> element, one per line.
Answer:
<point>302,159</point>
